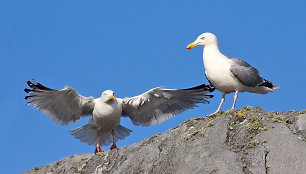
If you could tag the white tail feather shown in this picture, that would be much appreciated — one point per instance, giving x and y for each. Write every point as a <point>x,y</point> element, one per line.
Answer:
<point>88,135</point>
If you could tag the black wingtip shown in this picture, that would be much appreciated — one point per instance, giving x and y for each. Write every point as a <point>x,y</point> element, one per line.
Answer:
<point>206,87</point>
<point>30,84</point>
<point>209,96</point>
<point>27,97</point>
<point>27,90</point>
<point>267,83</point>
<point>197,87</point>
<point>37,85</point>
<point>40,86</point>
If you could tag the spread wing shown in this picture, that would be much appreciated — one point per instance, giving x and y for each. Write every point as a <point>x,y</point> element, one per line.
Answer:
<point>63,106</point>
<point>245,73</point>
<point>159,104</point>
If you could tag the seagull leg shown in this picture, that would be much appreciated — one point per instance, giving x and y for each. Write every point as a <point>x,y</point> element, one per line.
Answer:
<point>219,108</point>
<point>235,98</point>
<point>114,143</point>
<point>98,147</point>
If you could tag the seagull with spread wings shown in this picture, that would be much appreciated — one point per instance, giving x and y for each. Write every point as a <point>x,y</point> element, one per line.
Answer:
<point>229,74</point>
<point>66,106</point>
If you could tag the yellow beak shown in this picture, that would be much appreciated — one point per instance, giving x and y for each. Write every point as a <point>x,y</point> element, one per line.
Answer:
<point>191,46</point>
<point>112,97</point>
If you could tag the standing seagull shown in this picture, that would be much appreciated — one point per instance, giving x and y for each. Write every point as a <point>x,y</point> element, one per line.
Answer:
<point>229,74</point>
<point>66,106</point>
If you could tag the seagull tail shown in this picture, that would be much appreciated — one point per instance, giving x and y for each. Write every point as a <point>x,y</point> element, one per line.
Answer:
<point>106,137</point>
<point>85,134</point>
<point>121,132</point>
<point>88,135</point>
<point>269,84</point>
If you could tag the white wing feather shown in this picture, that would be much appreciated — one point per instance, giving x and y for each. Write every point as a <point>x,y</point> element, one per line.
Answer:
<point>159,104</point>
<point>63,106</point>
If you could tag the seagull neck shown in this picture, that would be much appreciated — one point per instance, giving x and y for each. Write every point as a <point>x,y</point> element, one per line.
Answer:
<point>212,55</point>
<point>211,50</point>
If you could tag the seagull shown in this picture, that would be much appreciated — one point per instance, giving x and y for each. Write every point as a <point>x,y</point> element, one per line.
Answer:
<point>66,106</point>
<point>229,74</point>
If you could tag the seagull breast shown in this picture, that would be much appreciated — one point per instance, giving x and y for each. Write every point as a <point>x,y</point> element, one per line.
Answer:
<point>217,70</point>
<point>107,114</point>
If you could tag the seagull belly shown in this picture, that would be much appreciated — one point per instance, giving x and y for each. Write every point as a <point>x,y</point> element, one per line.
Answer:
<point>106,116</point>
<point>221,78</point>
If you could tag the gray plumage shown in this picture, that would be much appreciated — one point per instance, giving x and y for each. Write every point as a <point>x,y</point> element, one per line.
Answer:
<point>245,73</point>
<point>66,106</point>
<point>229,74</point>
<point>63,106</point>
<point>87,134</point>
<point>158,104</point>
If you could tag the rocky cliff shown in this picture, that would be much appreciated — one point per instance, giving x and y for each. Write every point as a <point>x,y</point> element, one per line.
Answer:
<point>247,140</point>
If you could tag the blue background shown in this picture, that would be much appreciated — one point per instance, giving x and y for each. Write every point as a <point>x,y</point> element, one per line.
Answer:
<point>131,47</point>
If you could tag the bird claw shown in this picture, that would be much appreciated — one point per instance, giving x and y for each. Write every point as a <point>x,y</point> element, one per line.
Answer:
<point>213,114</point>
<point>98,149</point>
<point>113,147</point>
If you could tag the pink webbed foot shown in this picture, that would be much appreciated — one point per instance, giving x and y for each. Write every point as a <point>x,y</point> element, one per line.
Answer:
<point>98,149</point>
<point>113,147</point>
<point>213,114</point>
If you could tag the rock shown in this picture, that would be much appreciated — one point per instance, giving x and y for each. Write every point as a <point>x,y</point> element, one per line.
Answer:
<point>247,140</point>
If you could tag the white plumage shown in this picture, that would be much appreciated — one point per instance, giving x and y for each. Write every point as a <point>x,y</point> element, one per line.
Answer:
<point>66,106</point>
<point>229,74</point>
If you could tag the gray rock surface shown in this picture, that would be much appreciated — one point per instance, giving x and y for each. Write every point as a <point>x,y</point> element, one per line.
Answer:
<point>247,140</point>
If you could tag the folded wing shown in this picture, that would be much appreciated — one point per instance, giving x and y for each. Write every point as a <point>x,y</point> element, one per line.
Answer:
<point>159,104</point>
<point>245,73</point>
<point>63,106</point>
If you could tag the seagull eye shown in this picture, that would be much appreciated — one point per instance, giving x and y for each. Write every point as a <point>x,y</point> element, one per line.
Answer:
<point>202,38</point>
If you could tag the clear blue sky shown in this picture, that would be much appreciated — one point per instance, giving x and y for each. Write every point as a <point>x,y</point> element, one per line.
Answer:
<point>131,47</point>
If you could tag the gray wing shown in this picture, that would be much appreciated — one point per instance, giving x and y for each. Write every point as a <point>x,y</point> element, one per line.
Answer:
<point>159,104</point>
<point>63,106</point>
<point>245,73</point>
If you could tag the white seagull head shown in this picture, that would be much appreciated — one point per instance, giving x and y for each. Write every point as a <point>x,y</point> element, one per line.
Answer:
<point>108,95</point>
<point>204,39</point>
